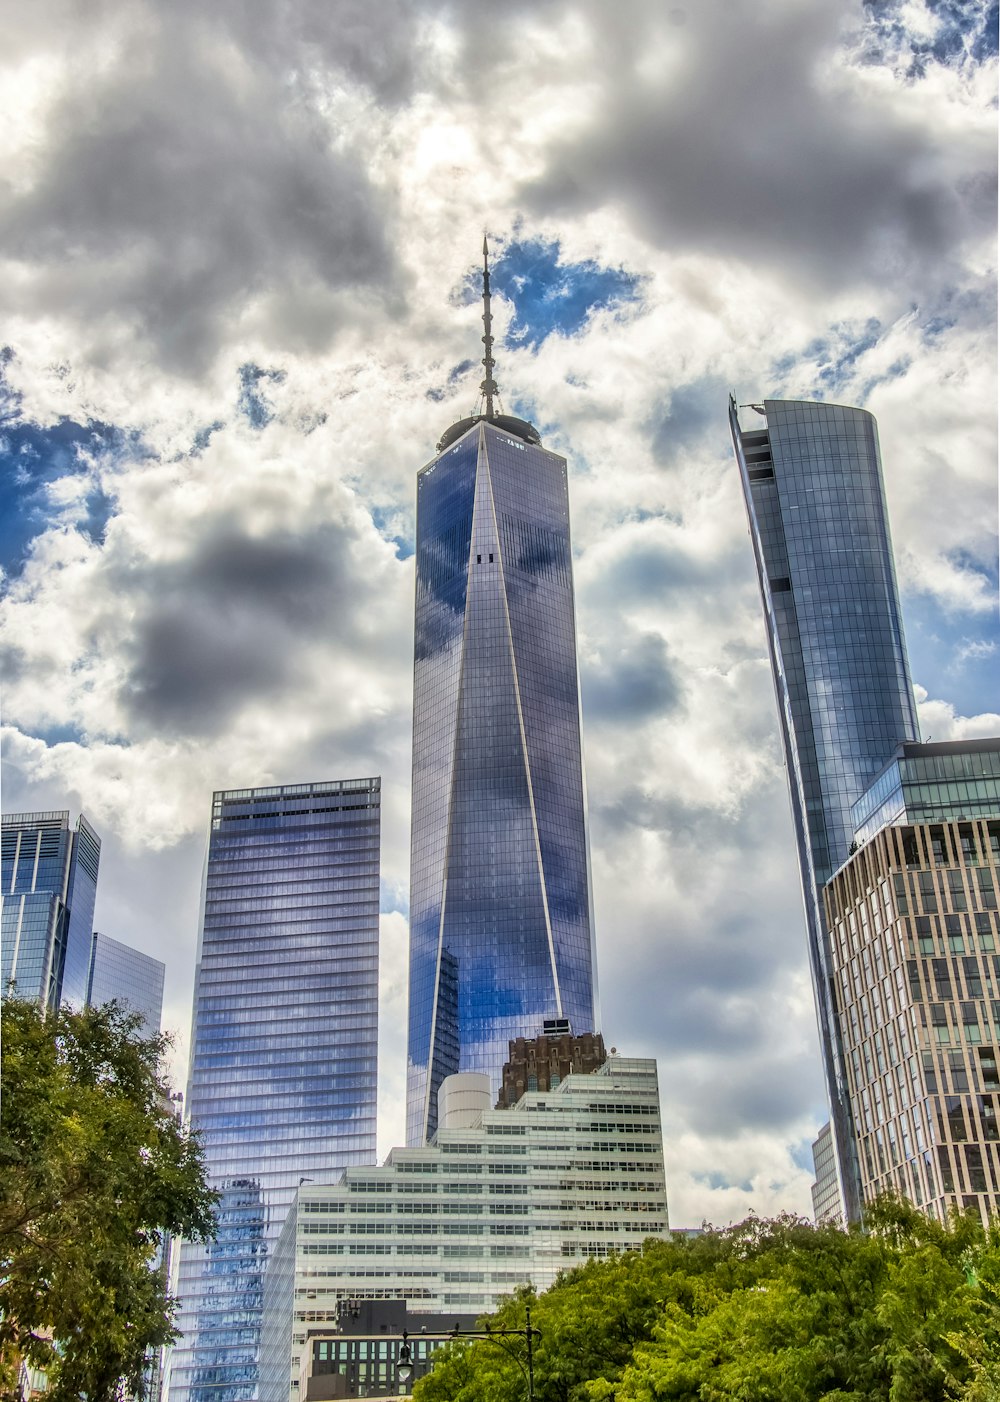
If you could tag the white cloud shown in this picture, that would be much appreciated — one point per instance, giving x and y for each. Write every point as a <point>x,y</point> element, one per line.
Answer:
<point>196,191</point>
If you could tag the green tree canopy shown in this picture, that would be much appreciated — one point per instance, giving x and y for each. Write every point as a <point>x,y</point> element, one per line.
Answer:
<point>94,1170</point>
<point>769,1311</point>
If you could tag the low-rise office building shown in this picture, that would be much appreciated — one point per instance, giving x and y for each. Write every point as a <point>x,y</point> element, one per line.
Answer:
<point>506,1198</point>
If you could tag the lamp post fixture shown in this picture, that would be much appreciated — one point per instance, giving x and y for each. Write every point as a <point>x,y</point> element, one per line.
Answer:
<point>404,1362</point>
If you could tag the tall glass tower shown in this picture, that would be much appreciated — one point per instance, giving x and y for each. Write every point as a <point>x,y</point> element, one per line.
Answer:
<point>501,933</point>
<point>284,1046</point>
<point>812,480</point>
<point>49,882</point>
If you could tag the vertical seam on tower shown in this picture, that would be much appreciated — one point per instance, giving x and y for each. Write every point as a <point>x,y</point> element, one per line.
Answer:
<point>17,941</point>
<point>524,747</point>
<point>451,797</point>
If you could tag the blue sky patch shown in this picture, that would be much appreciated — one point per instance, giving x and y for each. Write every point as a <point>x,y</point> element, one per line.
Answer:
<point>548,295</point>
<point>33,459</point>
<point>965,32</point>
<point>253,403</point>
<point>387,520</point>
<point>953,657</point>
<point>204,436</point>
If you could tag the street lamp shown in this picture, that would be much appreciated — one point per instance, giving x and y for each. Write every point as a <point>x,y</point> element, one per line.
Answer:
<point>528,1333</point>
<point>404,1361</point>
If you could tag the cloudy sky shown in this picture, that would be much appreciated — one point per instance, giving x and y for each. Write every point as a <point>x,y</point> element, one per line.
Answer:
<point>239,246</point>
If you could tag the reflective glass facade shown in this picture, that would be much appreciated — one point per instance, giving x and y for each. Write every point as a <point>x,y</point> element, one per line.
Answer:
<point>812,480</point>
<point>119,972</point>
<point>500,913</point>
<point>49,883</point>
<point>284,1046</point>
<point>945,782</point>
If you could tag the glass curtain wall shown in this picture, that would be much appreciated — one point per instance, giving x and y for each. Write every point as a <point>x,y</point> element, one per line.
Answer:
<point>119,972</point>
<point>49,884</point>
<point>500,912</point>
<point>812,481</point>
<point>284,1046</point>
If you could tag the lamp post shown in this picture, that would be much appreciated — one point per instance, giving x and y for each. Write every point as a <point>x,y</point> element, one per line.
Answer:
<point>404,1362</point>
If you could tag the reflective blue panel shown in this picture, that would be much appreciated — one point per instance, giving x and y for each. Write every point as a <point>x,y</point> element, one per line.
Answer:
<point>499,902</point>
<point>119,972</point>
<point>49,890</point>
<point>284,1058</point>
<point>812,480</point>
<point>946,782</point>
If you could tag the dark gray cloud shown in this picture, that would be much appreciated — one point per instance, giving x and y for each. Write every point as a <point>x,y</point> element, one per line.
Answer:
<point>228,625</point>
<point>692,420</point>
<point>377,46</point>
<point>631,682</point>
<point>722,949</point>
<point>734,1093</point>
<point>184,180</point>
<point>650,567</point>
<point>747,146</point>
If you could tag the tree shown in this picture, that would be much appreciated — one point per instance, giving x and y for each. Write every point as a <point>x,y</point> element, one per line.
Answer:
<point>94,1171</point>
<point>906,1311</point>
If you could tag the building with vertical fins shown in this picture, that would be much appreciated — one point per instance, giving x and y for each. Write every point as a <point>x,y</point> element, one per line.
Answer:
<point>914,937</point>
<point>812,481</point>
<point>119,972</point>
<point>283,1073</point>
<point>501,931</point>
<point>49,879</point>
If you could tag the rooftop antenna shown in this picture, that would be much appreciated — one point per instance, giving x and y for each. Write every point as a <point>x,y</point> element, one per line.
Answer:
<point>489,384</point>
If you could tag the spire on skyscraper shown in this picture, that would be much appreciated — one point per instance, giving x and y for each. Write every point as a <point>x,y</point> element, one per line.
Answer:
<point>488,389</point>
<point>489,384</point>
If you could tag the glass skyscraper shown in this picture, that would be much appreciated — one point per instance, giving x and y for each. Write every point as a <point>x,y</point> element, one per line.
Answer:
<point>49,881</point>
<point>284,1046</point>
<point>812,480</point>
<point>117,971</point>
<point>501,933</point>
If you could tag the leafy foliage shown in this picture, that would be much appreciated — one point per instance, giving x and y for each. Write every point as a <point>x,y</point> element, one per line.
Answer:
<point>907,1311</point>
<point>94,1170</point>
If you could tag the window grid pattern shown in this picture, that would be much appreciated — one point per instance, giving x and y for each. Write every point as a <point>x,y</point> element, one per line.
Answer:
<point>48,879</point>
<point>500,920</point>
<point>916,950</point>
<point>565,1175</point>
<point>119,972</point>
<point>953,780</point>
<point>812,481</point>
<point>283,1073</point>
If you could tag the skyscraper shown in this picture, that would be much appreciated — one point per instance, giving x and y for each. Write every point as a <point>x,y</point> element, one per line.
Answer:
<point>501,933</point>
<point>117,971</point>
<point>284,1045</point>
<point>812,481</point>
<point>49,880</point>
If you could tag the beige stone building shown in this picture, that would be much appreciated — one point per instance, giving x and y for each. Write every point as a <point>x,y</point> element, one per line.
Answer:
<point>915,945</point>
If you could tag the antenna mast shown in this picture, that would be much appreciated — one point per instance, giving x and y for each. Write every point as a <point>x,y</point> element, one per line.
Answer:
<point>489,384</point>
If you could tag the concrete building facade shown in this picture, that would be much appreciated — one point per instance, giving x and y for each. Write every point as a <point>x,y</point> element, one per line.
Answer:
<point>566,1174</point>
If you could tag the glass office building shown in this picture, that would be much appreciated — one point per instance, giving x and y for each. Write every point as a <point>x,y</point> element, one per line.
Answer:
<point>284,1046</point>
<point>501,931</point>
<point>812,481</point>
<point>945,782</point>
<point>49,879</point>
<point>117,971</point>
